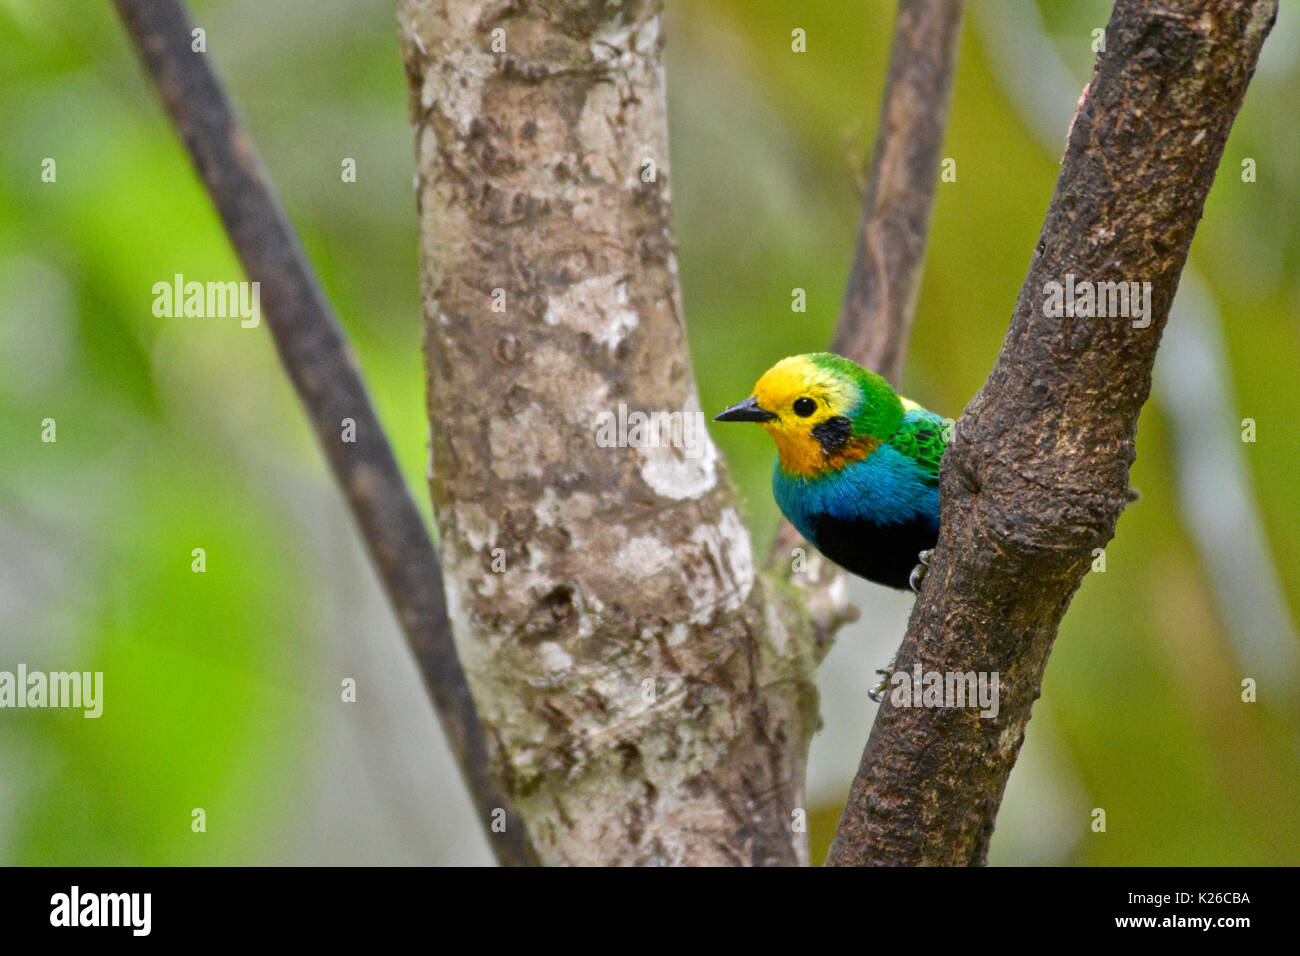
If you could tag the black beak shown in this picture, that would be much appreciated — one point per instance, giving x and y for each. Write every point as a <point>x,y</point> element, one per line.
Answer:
<point>746,411</point>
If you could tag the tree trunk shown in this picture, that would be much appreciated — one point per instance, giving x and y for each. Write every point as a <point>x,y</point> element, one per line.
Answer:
<point>646,695</point>
<point>1036,476</point>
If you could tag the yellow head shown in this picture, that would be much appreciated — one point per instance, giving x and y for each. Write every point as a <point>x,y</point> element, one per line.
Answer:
<point>822,410</point>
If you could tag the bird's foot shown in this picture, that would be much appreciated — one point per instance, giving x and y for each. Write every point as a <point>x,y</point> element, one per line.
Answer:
<point>918,573</point>
<point>877,693</point>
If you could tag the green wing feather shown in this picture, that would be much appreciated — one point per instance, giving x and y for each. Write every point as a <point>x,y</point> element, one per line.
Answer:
<point>920,437</point>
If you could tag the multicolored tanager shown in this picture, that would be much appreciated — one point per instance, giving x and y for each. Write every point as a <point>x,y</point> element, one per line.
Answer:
<point>857,469</point>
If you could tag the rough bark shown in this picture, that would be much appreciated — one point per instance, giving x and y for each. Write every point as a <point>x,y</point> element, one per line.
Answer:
<point>875,323</point>
<point>320,364</point>
<point>1037,473</point>
<point>645,700</point>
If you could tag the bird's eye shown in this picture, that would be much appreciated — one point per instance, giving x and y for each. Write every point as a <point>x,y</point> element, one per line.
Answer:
<point>803,407</point>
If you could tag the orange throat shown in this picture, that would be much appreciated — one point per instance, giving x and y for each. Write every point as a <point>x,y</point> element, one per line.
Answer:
<point>804,457</point>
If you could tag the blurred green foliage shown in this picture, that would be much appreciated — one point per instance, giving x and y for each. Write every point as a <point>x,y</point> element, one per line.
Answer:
<point>176,434</point>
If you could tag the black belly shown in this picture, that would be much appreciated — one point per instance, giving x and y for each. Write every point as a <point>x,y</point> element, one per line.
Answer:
<point>885,554</point>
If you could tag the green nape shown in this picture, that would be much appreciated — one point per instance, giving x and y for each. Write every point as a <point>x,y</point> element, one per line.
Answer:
<point>880,413</point>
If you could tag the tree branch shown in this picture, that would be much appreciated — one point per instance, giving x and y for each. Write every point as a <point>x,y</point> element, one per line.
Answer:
<point>320,364</point>
<point>879,305</point>
<point>1037,473</point>
<point>880,301</point>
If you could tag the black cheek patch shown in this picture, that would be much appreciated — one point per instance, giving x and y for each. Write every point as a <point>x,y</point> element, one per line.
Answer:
<point>833,433</point>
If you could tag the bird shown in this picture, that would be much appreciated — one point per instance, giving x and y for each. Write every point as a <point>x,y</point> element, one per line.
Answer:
<point>857,469</point>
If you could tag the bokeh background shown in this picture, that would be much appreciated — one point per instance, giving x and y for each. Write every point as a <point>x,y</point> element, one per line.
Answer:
<point>222,688</point>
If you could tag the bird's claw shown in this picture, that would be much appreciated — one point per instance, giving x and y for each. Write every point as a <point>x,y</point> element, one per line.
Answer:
<point>918,573</point>
<point>877,693</point>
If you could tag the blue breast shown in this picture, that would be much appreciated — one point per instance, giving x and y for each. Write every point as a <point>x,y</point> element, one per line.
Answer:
<point>885,488</point>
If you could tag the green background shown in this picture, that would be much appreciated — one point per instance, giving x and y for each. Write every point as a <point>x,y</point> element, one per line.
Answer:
<point>222,688</point>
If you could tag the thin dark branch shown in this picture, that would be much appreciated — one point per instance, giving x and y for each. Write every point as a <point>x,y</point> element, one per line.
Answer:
<point>879,305</point>
<point>880,301</point>
<point>318,360</point>
<point>1037,472</point>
